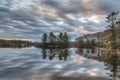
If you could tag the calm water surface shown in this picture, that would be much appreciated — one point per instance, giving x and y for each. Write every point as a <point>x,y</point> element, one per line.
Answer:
<point>56,64</point>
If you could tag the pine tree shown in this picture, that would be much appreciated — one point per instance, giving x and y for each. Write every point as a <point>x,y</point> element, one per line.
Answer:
<point>112,19</point>
<point>44,39</point>
<point>51,37</point>
<point>66,39</point>
<point>60,38</point>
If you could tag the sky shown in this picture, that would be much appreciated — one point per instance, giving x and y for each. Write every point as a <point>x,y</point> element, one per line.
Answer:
<point>29,19</point>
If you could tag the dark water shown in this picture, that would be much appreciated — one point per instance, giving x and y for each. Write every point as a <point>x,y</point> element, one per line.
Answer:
<point>58,64</point>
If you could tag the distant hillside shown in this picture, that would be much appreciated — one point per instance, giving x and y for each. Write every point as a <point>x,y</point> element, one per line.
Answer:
<point>100,36</point>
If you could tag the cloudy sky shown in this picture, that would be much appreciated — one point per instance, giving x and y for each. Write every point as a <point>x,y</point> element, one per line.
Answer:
<point>31,18</point>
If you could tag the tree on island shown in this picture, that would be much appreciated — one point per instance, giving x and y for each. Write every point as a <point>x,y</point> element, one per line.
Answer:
<point>52,38</point>
<point>66,39</point>
<point>44,39</point>
<point>61,40</point>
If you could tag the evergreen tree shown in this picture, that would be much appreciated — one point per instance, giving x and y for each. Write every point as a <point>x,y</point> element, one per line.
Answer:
<point>112,19</point>
<point>60,38</point>
<point>51,37</point>
<point>66,39</point>
<point>44,39</point>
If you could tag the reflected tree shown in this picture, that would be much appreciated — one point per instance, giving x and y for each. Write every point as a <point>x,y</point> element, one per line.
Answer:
<point>66,53</point>
<point>112,63</point>
<point>44,55</point>
<point>93,51</point>
<point>61,54</point>
<point>111,60</point>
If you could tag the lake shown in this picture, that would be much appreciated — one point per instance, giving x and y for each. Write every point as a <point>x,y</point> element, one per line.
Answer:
<point>58,64</point>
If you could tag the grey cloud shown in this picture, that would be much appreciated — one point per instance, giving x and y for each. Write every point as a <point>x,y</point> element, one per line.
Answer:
<point>83,6</point>
<point>29,22</point>
<point>108,5</point>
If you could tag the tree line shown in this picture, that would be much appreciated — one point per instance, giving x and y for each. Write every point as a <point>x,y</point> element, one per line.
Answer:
<point>87,43</point>
<point>52,40</point>
<point>15,43</point>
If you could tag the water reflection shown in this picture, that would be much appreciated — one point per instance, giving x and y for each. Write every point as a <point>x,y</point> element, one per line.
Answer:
<point>111,60</point>
<point>91,53</point>
<point>59,64</point>
<point>62,54</point>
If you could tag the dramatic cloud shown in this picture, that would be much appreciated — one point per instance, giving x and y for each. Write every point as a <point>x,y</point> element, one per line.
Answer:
<point>30,18</point>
